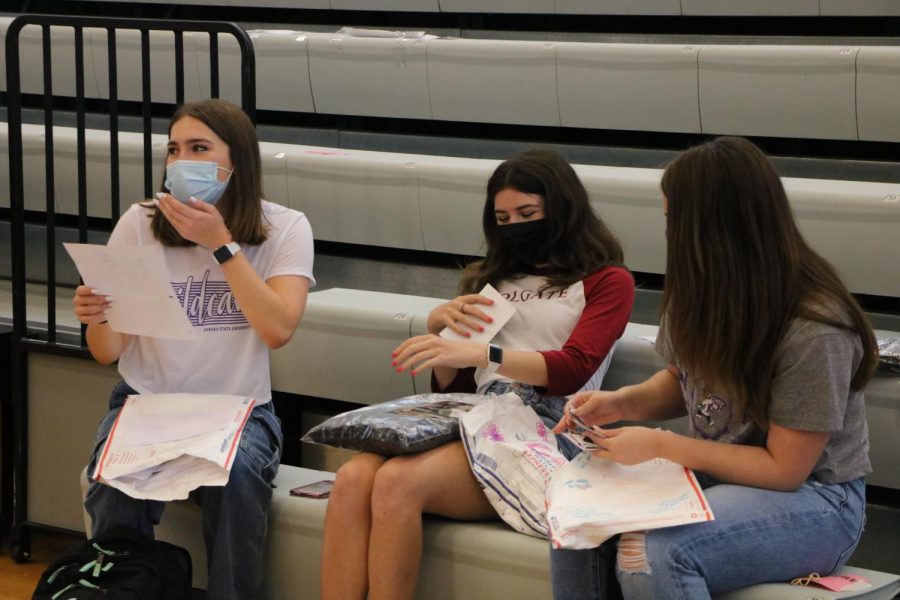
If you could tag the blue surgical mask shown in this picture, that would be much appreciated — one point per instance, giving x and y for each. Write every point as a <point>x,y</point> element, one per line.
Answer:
<point>197,178</point>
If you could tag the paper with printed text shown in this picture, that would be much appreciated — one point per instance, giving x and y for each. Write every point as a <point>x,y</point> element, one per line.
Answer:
<point>144,302</point>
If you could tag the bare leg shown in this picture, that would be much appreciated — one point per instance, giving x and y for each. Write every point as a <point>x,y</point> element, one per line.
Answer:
<point>438,482</point>
<point>348,519</point>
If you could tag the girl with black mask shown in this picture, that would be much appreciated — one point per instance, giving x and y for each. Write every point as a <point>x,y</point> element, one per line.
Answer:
<point>551,256</point>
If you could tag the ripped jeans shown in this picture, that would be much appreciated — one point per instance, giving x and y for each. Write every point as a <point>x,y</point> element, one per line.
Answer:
<point>757,536</point>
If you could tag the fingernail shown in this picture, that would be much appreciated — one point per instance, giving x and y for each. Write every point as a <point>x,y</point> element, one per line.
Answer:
<point>399,369</point>
<point>109,298</point>
<point>490,319</point>
<point>95,292</point>
<point>160,195</point>
<point>412,372</point>
<point>468,334</point>
<point>480,328</point>
<point>393,354</point>
<point>394,363</point>
<point>492,301</point>
<point>193,200</point>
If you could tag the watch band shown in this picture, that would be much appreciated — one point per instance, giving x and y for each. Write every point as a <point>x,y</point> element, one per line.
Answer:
<point>225,253</point>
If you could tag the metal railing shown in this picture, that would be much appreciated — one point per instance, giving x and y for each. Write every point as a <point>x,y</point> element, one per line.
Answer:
<point>25,340</point>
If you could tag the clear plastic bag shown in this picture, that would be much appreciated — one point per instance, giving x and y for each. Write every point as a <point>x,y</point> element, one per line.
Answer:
<point>889,354</point>
<point>403,426</point>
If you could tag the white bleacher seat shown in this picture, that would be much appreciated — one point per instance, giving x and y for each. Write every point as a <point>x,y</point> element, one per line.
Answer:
<point>321,4</point>
<point>618,7</point>
<point>499,6</point>
<point>131,173</point>
<point>492,81</point>
<point>274,170</point>
<point>421,202</point>
<point>630,202</point>
<point>369,76</point>
<point>877,90</point>
<point>400,5</point>
<point>162,65</point>
<point>854,225</point>
<point>780,91</point>
<point>282,69</point>
<point>451,198</point>
<point>859,8</point>
<point>644,87</point>
<point>62,66</point>
<point>342,348</point>
<point>758,8</point>
<point>360,198</point>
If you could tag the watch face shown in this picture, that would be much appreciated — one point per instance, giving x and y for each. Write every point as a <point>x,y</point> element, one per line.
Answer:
<point>222,254</point>
<point>495,354</point>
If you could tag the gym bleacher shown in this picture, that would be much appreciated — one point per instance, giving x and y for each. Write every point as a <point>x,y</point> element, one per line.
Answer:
<point>381,120</point>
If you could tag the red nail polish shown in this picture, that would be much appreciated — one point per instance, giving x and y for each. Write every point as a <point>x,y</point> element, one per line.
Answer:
<point>394,363</point>
<point>393,354</point>
<point>399,369</point>
<point>480,328</point>
<point>490,319</point>
<point>412,372</point>
<point>468,334</point>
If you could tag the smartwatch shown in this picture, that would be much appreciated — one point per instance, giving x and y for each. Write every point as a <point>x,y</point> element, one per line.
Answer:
<point>495,358</point>
<point>225,253</point>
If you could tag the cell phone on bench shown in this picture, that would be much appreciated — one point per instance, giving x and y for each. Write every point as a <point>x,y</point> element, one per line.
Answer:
<point>318,489</point>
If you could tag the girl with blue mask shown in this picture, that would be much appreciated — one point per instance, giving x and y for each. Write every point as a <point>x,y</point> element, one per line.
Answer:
<point>241,267</point>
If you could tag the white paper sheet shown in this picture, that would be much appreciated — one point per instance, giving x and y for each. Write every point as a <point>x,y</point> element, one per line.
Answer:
<point>136,277</point>
<point>163,446</point>
<point>501,311</point>
<point>591,499</point>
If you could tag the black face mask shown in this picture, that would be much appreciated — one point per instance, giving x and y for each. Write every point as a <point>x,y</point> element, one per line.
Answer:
<point>527,241</point>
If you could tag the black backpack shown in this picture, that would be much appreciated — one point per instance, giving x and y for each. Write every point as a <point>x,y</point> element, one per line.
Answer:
<point>120,564</point>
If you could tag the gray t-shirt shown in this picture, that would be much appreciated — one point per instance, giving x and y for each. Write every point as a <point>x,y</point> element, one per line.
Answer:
<point>811,391</point>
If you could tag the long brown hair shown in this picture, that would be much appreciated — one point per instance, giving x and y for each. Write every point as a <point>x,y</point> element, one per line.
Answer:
<point>240,204</point>
<point>579,242</point>
<point>738,271</point>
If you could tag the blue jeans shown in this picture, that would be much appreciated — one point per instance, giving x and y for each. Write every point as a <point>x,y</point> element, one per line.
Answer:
<point>234,516</point>
<point>548,408</point>
<point>757,536</point>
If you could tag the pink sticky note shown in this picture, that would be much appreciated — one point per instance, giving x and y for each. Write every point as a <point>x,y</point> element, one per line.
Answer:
<point>842,583</point>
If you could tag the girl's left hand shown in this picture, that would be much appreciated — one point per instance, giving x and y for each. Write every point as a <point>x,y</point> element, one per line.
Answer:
<point>426,351</point>
<point>195,220</point>
<point>629,445</point>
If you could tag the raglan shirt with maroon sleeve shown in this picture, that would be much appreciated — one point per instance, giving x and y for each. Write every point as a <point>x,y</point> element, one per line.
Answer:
<point>573,328</point>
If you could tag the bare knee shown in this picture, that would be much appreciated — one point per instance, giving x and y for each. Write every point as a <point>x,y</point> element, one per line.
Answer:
<point>632,554</point>
<point>396,488</point>
<point>354,479</point>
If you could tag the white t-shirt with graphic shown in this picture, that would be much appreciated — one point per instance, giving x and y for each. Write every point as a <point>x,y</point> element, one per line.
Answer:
<point>228,357</point>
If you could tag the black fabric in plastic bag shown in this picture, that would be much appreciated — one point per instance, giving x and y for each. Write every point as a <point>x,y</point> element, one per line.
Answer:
<point>403,426</point>
<point>889,354</point>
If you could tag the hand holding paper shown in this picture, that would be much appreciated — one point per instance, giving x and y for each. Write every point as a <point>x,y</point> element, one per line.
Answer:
<point>500,311</point>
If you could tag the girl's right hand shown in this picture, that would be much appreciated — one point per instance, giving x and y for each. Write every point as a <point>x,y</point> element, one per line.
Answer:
<point>594,408</point>
<point>461,315</point>
<point>90,306</point>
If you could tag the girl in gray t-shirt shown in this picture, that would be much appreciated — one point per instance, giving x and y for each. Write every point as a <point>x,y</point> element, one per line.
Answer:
<point>768,356</point>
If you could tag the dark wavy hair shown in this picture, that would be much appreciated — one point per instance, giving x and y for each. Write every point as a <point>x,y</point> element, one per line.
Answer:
<point>579,242</point>
<point>240,204</point>
<point>738,271</point>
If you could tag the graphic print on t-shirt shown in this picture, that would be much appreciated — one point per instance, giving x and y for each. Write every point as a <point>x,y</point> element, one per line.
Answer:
<point>210,304</point>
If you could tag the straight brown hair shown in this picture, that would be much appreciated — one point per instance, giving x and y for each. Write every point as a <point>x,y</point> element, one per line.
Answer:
<point>580,243</point>
<point>241,203</point>
<point>738,272</point>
